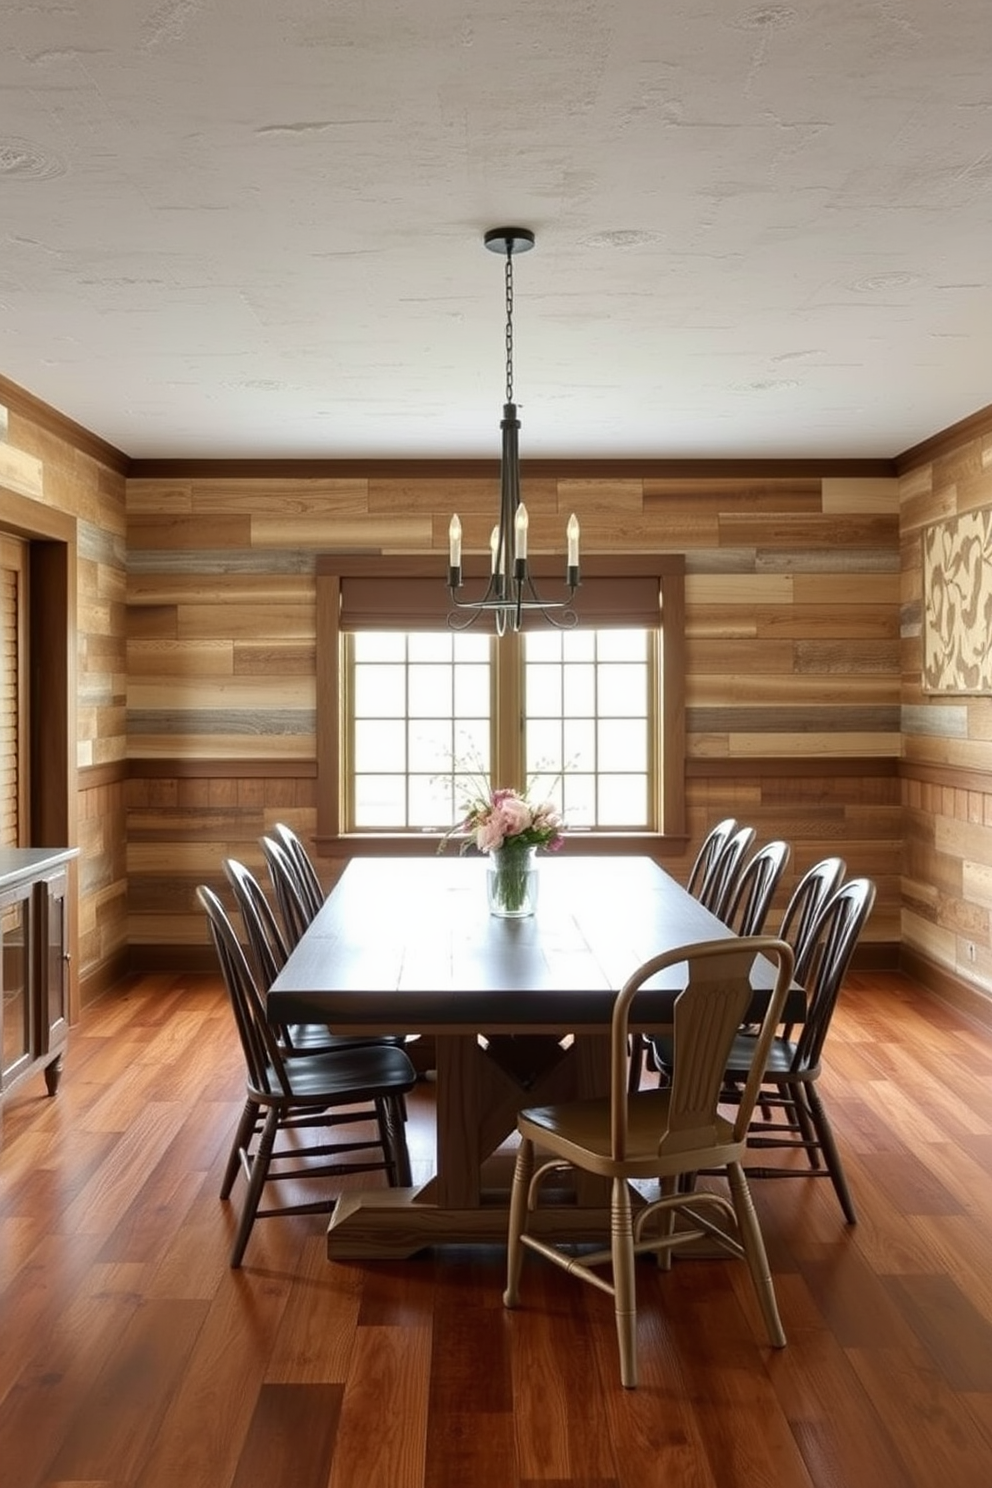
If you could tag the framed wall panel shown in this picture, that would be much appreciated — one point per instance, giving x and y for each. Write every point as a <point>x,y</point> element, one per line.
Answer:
<point>957,605</point>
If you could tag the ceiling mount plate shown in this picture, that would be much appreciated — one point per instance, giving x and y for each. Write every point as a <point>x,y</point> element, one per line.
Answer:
<point>509,240</point>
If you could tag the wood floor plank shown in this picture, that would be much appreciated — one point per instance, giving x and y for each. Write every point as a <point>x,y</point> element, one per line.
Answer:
<point>131,1356</point>
<point>291,1437</point>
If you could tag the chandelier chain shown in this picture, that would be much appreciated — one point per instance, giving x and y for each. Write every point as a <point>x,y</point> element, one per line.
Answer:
<point>509,326</point>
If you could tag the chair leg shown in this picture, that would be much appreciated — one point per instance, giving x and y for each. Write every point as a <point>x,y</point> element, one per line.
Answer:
<point>795,1095</point>
<point>835,1168</point>
<point>666,1225</point>
<point>624,1297</point>
<point>392,1131</point>
<point>522,1171</point>
<point>242,1137</point>
<point>256,1183</point>
<point>636,1066</point>
<point>754,1250</point>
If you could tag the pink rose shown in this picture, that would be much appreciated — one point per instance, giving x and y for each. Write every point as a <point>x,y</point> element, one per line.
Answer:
<point>514,814</point>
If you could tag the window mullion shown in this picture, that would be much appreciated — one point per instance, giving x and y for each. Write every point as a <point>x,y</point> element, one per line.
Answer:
<point>508,712</point>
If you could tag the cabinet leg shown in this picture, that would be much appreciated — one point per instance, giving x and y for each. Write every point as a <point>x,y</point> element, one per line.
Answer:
<point>53,1074</point>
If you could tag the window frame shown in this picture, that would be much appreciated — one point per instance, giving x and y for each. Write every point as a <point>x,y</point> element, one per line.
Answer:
<point>332,569</point>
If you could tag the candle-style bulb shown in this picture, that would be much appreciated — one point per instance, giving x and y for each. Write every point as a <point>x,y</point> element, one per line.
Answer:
<point>520,523</point>
<point>572,532</point>
<point>455,542</point>
<point>494,548</point>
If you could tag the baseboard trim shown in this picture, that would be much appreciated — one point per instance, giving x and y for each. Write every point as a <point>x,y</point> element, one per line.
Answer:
<point>964,997</point>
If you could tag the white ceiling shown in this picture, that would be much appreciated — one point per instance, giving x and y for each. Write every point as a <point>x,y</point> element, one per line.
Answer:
<point>254,227</point>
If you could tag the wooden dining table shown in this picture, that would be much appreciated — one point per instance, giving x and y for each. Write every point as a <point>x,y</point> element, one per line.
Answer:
<point>519,1010</point>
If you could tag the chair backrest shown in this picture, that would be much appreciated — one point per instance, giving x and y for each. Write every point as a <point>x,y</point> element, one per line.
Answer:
<point>707,1015</point>
<point>266,1071</point>
<point>748,906</point>
<point>832,943</point>
<point>803,909</point>
<point>708,855</point>
<point>310,885</point>
<point>293,907</point>
<point>265,940</point>
<point>719,891</point>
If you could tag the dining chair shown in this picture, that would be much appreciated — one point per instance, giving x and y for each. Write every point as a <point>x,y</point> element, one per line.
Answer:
<point>802,912</point>
<point>708,855</point>
<point>308,1093</point>
<point>310,885</point>
<point>791,1067</point>
<point>269,954</point>
<point>748,905</point>
<point>294,906</point>
<point>722,882</point>
<point>660,1134</point>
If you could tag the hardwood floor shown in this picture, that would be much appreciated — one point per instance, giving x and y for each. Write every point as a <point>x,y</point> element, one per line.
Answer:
<point>132,1357</point>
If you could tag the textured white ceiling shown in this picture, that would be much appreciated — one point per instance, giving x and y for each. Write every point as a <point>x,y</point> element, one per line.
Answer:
<point>235,228</point>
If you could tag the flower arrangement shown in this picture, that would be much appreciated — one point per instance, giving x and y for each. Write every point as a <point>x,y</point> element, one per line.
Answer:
<point>505,818</point>
<point>508,827</point>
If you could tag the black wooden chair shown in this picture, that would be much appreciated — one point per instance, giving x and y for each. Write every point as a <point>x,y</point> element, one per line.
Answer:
<point>749,903</point>
<point>295,909</point>
<point>311,889</point>
<point>708,856</point>
<point>789,1113</point>
<point>305,1095</point>
<point>269,953</point>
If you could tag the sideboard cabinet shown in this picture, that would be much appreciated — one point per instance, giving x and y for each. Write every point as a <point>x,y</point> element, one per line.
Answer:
<point>34,979</point>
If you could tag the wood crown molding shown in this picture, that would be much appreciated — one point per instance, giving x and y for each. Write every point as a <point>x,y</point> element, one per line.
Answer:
<point>28,406</point>
<point>564,469</point>
<point>942,443</point>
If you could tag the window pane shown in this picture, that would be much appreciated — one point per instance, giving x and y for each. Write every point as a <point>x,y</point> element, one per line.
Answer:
<point>380,800</point>
<point>579,696</point>
<point>621,745</point>
<point>428,645</point>
<point>380,692</point>
<point>472,691</point>
<point>430,691</point>
<point>543,691</point>
<point>579,645</point>
<point>622,691</point>
<point>431,802</point>
<point>430,745</point>
<point>379,645</point>
<point>621,645</point>
<point>381,745</point>
<point>622,800</point>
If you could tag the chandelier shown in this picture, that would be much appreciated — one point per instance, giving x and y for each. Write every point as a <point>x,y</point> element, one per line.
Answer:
<point>510,593</point>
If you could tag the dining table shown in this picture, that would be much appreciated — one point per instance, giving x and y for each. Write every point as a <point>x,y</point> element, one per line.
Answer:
<point>519,1011</point>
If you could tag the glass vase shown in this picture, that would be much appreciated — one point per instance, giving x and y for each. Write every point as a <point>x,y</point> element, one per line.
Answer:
<point>512,880</point>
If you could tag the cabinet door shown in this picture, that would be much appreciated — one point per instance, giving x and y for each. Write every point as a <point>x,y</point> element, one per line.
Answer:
<point>53,1022</point>
<point>17,1020</point>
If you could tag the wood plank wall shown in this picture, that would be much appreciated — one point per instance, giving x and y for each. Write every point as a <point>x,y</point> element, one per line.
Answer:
<point>947,743</point>
<point>47,460</point>
<point>792,690</point>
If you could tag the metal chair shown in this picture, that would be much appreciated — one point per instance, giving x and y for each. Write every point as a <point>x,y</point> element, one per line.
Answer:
<point>308,1092</point>
<point>662,1134</point>
<point>749,903</point>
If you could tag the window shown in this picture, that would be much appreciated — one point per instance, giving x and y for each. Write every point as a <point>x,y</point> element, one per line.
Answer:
<point>412,715</point>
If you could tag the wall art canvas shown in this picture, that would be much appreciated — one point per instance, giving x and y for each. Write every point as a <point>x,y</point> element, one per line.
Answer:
<point>957,605</point>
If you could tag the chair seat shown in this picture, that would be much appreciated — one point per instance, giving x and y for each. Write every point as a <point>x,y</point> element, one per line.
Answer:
<point>579,1132</point>
<point>361,1073</point>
